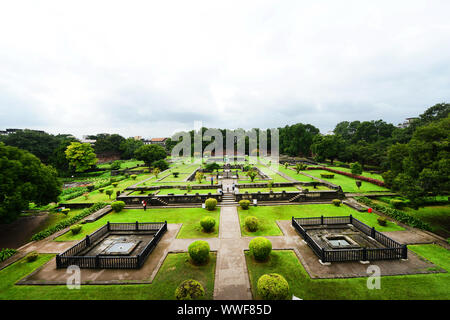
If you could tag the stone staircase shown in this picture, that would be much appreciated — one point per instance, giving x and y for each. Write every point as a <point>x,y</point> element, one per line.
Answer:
<point>228,200</point>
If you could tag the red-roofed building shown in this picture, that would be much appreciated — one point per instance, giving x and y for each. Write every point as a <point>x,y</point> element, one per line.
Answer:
<point>160,141</point>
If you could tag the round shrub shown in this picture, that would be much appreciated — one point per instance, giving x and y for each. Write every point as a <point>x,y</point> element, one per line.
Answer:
<point>199,251</point>
<point>32,256</point>
<point>251,223</point>
<point>115,184</point>
<point>90,187</point>
<point>260,248</point>
<point>133,177</point>
<point>189,290</point>
<point>210,204</point>
<point>76,228</point>
<point>273,286</point>
<point>382,221</point>
<point>101,190</point>
<point>117,206</point>
<point>245,204</point>
<point>208,223</point>
<point>336,202</point>
<point>327,175</point>
<point>65,211</point>
<point>109,192</point>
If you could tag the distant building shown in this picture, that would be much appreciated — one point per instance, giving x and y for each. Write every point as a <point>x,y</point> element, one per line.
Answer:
<point>9,131</point>
<point>159,141</point>
<point>407,122</point>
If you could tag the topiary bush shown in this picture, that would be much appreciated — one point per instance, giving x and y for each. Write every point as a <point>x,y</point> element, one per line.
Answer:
<point>210,204</point>
<point>90,187</point>
<point>382,221</point>
<point>260,248</point>
<point>199,251</point>
<point>32,256</point>
<point>336,202</point>
<point>118,206</point>
<point>189,290</point>
<point>327,175</point>
<point>109,192</point>
<point>208,223</point>
<point>65,211</point>
<point>245,204</point>
<point>133,177</point>
<point>101,190</point>
<point>76,228</point>
<point>273,286</point>
<point>115,184</point>
<point>251,223</point>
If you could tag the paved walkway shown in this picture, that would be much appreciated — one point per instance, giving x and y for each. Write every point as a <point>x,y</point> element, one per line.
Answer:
<point>231,281</point>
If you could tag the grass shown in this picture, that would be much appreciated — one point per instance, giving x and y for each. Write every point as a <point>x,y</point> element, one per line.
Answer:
<point>254,190</point>
<point>55,217</point>
<point>364,174</point>
<point>183,191</point>
<point>293,174</point>
<point>189,217</point>
<point>175,269</point>
<point>275,176</point>
<point>424,286</point>
<point>267,216</point>
<point>348,184</point>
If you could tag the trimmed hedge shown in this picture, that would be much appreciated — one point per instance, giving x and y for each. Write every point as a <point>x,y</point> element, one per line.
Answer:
<point>396,214</point>
<point>6,253</point>
<point>273,286</point>
<point>260,248</point>
<point>208,223</point>
<point>336,202</point>
<point>76,228</point>
<point>199,251</point>
<point>210,204</point>
<point>32,256</point>
<point>251,223</point>
<point>118,206</point>
<point>245,204</point>
<point>189,290</point>
<point>68,222</point>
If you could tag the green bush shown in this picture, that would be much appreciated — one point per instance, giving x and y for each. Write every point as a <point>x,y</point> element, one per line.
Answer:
<point>382,221</point>
<point>397,204</point>
<point>210,204</point>
<point>356,168</point>
<point>32,256</point>
<point>251,223</point>
<point>67,222</point>
<point>118,206</point>
<point>175,174</point>
<point>189,290</point>
<point>115,184</point>
<point>65,211</point>
<point>101,190</point>
<point>245,204</point>
<point>260,248</point>
<point>90,187</point>
<point>199,251</point>
<point>327,175</point>
<point>208,223</point>
<point>6,253</point>
<point>115,165</point>
<point>76,228</point>
<point>336,202</point>
<point>273,286</point>
<point>133,177</point>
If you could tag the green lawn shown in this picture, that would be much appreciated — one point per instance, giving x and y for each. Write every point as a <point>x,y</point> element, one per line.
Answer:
<point>183,191</point>
<point>348,184</point>
<point>286,263</point>
<point>275,176</point>
<point>438,217</point>
<point>267,216</point>
<point>175,269</point>
<point>253,190</point>
<point>293,174</point>
<point>189,217</point>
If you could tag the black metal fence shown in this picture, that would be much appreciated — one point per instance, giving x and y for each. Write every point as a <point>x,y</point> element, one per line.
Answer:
<point>72,257</point>
<point>393,250</point>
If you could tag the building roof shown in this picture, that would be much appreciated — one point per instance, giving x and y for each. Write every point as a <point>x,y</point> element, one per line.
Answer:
<point>158,139</point>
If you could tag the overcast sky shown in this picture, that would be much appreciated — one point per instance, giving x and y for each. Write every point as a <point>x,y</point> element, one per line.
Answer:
<point>149,68</point>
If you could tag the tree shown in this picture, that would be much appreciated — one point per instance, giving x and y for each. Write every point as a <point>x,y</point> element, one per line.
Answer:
<point>156,171</point>
<point>24,179</point>
<point>150,153</point>
<point>252,174</point>
<point>81,156</point>
<point>39,143</point>
<point>356,168</point>
<point>108,143</point>
<point>128,148</point>
<point>199,176</point>
<point>58,159</point>
<point>160,164</point>
<point>327,147</point>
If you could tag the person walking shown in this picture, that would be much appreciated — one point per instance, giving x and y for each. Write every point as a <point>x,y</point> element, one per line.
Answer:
<point>144,204</point>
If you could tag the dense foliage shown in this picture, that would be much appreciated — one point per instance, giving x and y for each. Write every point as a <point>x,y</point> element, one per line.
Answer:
<point>81,156</point>
<point>150,153</point>
<point>273,286</point>
<point>260,248</point>
<point>189,290</point>
<point>24,179</point>
<point>199,251</point>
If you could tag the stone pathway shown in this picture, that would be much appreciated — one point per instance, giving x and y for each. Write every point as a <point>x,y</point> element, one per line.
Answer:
<point>231,281</point>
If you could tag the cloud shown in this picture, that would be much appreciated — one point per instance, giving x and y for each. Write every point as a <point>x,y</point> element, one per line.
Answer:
<point>149,67</point>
